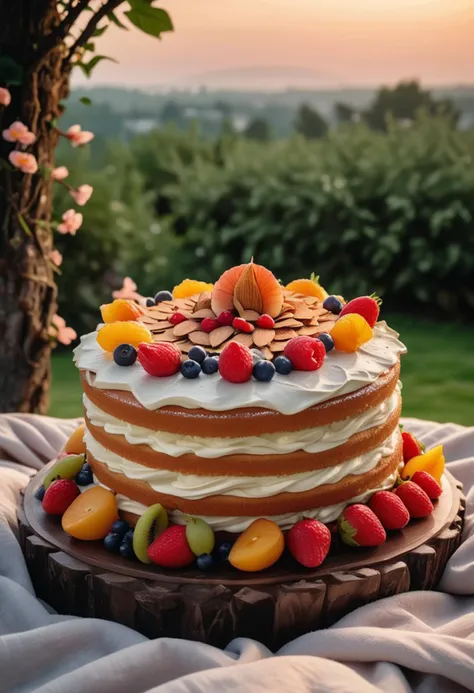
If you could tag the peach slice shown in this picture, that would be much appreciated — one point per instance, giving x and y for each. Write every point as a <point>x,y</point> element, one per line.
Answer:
<point>91,515</point>
<point>191,287</point>
<point>249,286</point>
<point>308,287</point>
<point>111,335</point>
<point>432,462</point>
<point>75,444</point>
<point>350,332</point>
<point>259,547</point>
<point>120,310</point>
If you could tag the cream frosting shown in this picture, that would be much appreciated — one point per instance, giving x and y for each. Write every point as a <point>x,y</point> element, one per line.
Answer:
<point>192,486</point>
<point>310,440</point>
<point>340,374</point>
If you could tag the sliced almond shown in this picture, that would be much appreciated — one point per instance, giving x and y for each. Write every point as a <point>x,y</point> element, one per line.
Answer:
<point>277,346</point>
<point>166,336</point>
<point>203,301</point>
<point>289,322</point>
<point>238,306</point>
<point>310,300</point>
<point>184,346</point>
<point>250,315</point>
<point>262,337</point>
<point>303,313</point>
<point>245,339</point>
<point>201,338</point>
<point>159,325</point>
<point>203,313</point>
<point>266,352</point>
<point>220,335</point>
<point>284,334</point>
<point>185,328</point>
<point>309,331</point>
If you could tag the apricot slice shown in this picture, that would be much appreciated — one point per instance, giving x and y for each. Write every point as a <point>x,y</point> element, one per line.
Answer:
<point>350,332</point>
<point>191,287</point>
<point>432,462</point>
<point>111,335</point>
<point>75,443</point>
<point>308,287</point>
<point>119,310</point>
<point>249,286</point>
<point>259,547</point>
<point>91,515</point>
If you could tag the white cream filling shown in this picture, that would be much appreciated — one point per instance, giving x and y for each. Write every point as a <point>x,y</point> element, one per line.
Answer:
<point>195,487</point>
<point>310,440</point>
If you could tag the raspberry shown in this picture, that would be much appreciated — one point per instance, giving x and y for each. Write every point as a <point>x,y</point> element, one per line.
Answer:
<point>160,358</point>
<point>236,363</point>
<point>390,510</point>
<point>225,318</point>
<point>176,318</point>
<point>266,322</point>
<point>416,500</point>
<point>429,485</point>
<point>242,325</point>
<point>305,353</point>
<point>59,496</point>
<point>209,324</point>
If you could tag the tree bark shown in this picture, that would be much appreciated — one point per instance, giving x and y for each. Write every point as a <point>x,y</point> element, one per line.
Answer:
<point>28,294</point>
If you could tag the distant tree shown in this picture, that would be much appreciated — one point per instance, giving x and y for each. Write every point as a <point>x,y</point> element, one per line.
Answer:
<point>402,103</point>
<point>171,112</point>
<point>258,129</point>
<point>310,123</point>
<point>223,107</point>
<point>345,113</point>
<point>227,127</point>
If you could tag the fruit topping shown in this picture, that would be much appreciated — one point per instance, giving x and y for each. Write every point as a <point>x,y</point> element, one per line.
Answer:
<point>120,527</point>
<point>150,525</point>
<point>112,542</point>
<point>210,365</point>
<point>236,363</point>
<point>367,306</point>
<point>225,318</point>
<point>242,325</point>
<point>197,353</point>
<point>126,547</point>
<point>309,542</point>
<point>283,365</point>
<point>59,496</point>
<point>65,468</point>
<point>429,485</point>
<point>247,287</point>
<point>333,304</point>
<point>150,302</point>
<point>39,493</point>
<point>411,447</point>
<point>305,353</point>
<point>432,462</point>
<point>171,548</point>
<point>120,310</point>
<point>160,359</point>
<point>359,526</point>
<point>190,287</point>
<point>224,549</point>
<point>125,355</point>
<point>416,500</point>
<point>84,476</point>
<point>327,340</point>
<point>350,332</point>
<point>177,318</point>
<point>75,444</point>
<point>308,287</point>
<point>266,322</point>
<point>205,562</point>
<point>390,510</point>
<point>110,336</point>
<point>163,296</point>
<point>209,324</point>
<point>263,371</point>
<point>91,515</point>
<point>259,547</point>
<point>190,369</point>
<point>200,536</point>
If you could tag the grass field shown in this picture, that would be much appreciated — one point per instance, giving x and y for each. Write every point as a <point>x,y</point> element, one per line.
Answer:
<point>437,373</point>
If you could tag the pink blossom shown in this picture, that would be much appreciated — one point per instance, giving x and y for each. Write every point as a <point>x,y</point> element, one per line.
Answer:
<point>56,258</point>
<point>59,173</point>
<point>60,331</point>
<point>18,132</point>
<point>78,137</point>
<point>5,97</point>
<point>82,194</point>
<point>25,162</point>
<point>128,290</point>
<point>71,222</point>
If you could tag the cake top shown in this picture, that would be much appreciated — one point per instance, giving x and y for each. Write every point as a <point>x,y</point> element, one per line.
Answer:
<point>281,348</point>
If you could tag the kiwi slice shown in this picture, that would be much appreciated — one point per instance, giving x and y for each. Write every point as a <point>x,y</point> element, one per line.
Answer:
<point>200,536</point>
<point>65,468</point>
<point>153,522</point>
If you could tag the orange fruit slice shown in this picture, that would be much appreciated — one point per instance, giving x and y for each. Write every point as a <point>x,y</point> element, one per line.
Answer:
<point>75,444</point>
<point>432,462</point>
<point>191,287</point>
<point>307,287</point>
<point>350,332</point>
<point>91,515</point>
<point>259,547</point>
<point>114,333</point>
<point>120,309</point>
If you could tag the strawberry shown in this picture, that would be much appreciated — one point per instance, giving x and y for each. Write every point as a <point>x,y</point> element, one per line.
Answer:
<point>367,306</point>
<point>176,318</point>
<point>236,363</point>
<point>416,500</point>
<point>305,353</point>
<point>209,324</point>
<point>360,526</point>
<point>266,322</point>
<point>160,358</point>
<point>171,548</point>
<point>59,496</point>
<point>390,510</point>
<point>428,483</point>
<point>411,447</point>
<point>309,542</point>
<point>242,325</point>
<point>225,318</point>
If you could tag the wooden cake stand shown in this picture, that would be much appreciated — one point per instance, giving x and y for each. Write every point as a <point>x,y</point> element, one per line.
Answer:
<point>273,606</point>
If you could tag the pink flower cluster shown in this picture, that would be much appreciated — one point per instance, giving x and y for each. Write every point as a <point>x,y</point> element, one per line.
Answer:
<point>60,331</point>
<point>71,222</point>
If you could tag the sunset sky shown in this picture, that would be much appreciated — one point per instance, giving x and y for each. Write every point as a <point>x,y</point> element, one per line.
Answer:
<point>348,42</point>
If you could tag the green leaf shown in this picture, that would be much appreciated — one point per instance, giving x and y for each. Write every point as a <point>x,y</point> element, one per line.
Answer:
<point>100,30</point>
<point>85,100</point>
<point>115,20</point>
<point>89,46</point>
<point>88,67</point>
<point>11,72</point>
<point>24,225</point>
<point>151,20</point>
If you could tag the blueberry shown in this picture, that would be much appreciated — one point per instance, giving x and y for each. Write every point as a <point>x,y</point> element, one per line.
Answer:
<point>39,494</point>
<point>126,550</point>
<point>190,369</point>
<point>283,365</point>
<point>205,562</point>
<point>163,296</point>
<point>263,371</point>
<point>120,527</point>
<point>327,340</point>
<point>125,355</point>
<point>150,302</point>
<point>210,365</point>
<point>197,353</point>
<point>84,478</point>
<point>223,550</point>
<point>333,305</point>
<point>112,542</point>
<point>128,537</point>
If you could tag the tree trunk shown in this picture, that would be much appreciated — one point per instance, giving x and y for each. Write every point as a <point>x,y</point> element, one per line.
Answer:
<point>28,295</point>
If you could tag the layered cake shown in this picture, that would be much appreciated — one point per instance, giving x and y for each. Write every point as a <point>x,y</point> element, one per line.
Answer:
<point>301,432</point>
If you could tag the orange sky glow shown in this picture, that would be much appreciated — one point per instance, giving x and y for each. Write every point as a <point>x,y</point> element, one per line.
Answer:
<point>347,42</point>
